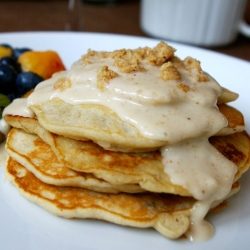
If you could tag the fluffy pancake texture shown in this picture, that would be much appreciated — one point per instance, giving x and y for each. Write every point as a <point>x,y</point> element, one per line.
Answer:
<point>95,122</point>
<point>97,167</point>
<point>227,96</point>
<point>235,120</point>
<point>104,127</point>
<point>31,125</point>
<point>37,156</point>
<point>236,148</point>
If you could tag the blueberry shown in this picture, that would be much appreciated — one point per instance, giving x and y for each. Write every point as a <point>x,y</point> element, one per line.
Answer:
<point>6,45</point>
<point>11,96</point>
<point>7,79</point>
<point>19,51</point>
<point>26,81</point>
<point>11,62</point>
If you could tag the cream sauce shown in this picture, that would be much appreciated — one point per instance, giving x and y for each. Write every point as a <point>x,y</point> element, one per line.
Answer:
<point>160,111</point>
<point>131,94</point>
<point>19,107</point>
<point>4,127</point>
<point>198,167</point>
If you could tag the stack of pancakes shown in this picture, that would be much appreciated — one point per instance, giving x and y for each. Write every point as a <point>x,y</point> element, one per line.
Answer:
<point>84,161</point>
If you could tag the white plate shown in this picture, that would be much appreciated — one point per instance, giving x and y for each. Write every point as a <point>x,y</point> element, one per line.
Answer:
<point>23,225</point>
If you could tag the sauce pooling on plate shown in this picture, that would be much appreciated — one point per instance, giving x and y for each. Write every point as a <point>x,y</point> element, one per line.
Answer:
<point>166,99</point>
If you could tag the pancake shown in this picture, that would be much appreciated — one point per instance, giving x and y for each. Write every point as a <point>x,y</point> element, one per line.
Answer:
<point>145,169</point>
<point>227,96</point>
<point>236,148</point>
<point>94,122</point>
<point>37,156</point>
<point>117,169</point>
<point>86,121</point>
<point>31,125</point>
<point>168,214</point>
<point>122,172</point>
<point>235,120</point>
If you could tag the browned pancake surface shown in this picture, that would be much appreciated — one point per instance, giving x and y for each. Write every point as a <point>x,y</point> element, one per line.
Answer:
<point>235,120</point>
<point>37,156</point>
<point>236,148</point>
<point>168,214</point>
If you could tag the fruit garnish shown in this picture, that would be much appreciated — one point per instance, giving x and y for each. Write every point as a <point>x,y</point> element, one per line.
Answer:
<point>19,51</point>
<point>7,79</point>
<point>10,62</point>
<point>21,69</point>
<point>44,64</point>
<point>26,81</point>
<point>5,50</point>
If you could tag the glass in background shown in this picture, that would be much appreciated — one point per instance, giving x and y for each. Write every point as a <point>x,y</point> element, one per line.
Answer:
<point>75,20</point>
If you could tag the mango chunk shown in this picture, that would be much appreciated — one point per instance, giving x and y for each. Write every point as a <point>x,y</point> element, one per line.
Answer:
<point>43,63</point>
<point>5,51</point>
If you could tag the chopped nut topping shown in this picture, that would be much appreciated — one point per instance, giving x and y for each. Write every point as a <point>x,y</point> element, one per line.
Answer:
<point>169,72</point>
<point>127,60</point>
<point>194,65</point>
<point>86,62</point>
<point>177,62</point>
<point>160,54</point>
<point>185,88</point>
<point>62,84</point>
<point>104,74</point>
<point>91,53</point>
<point>130,61</point>
<point>202,77</point>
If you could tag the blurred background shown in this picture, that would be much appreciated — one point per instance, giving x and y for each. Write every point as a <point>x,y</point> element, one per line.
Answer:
<point>118,16</point>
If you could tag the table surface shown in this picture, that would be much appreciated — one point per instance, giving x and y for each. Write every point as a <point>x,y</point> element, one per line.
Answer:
<point>121,17</point>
